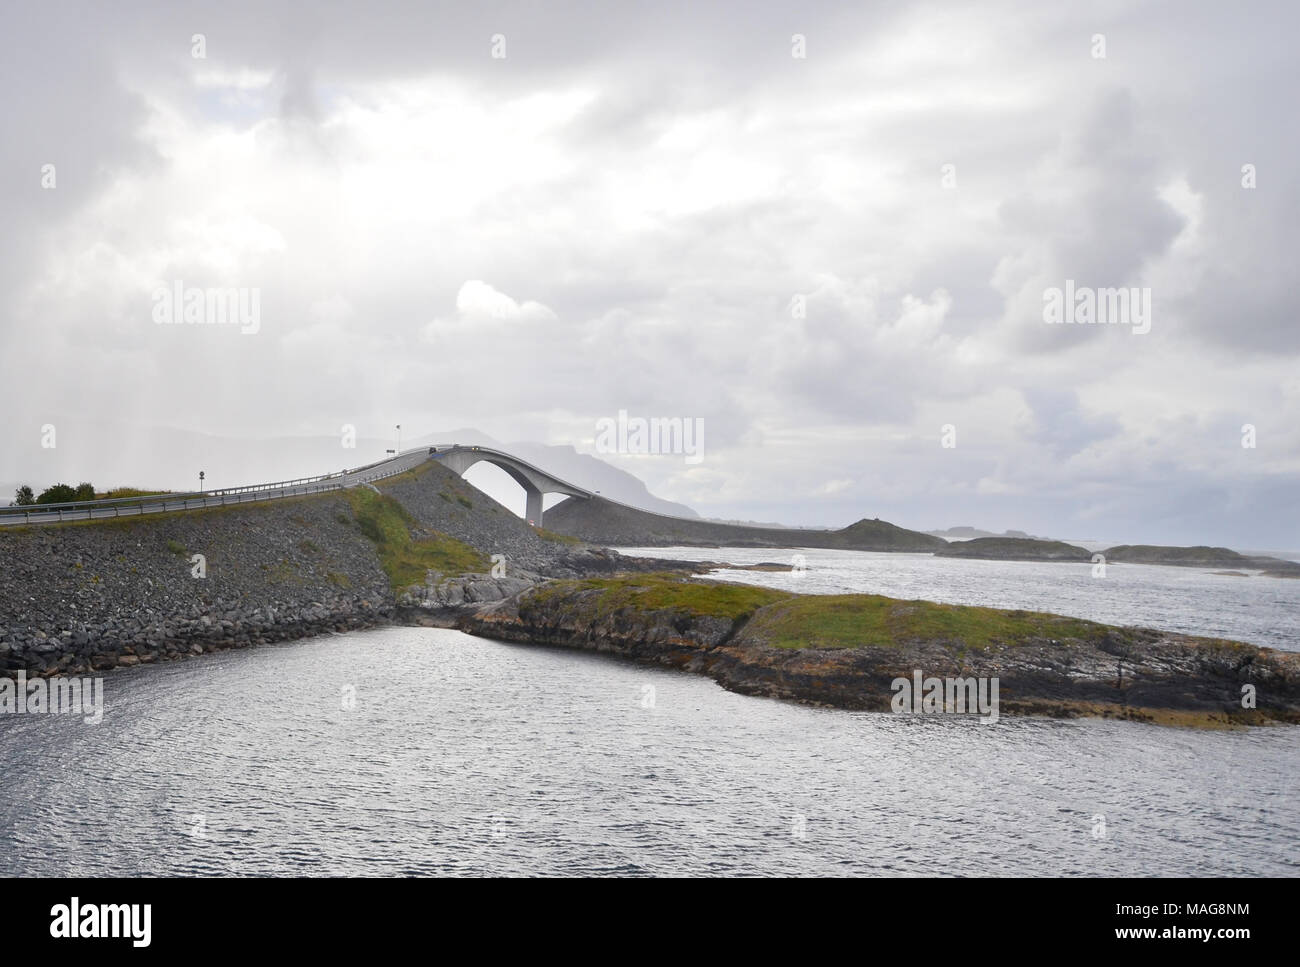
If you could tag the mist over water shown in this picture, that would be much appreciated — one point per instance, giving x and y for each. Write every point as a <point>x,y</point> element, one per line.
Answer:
<point>469,756</point>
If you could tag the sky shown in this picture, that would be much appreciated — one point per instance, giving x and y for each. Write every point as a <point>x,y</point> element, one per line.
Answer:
<point>823,233</point>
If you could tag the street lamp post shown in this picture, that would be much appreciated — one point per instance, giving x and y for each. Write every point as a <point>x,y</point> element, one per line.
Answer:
<point>399,438</point>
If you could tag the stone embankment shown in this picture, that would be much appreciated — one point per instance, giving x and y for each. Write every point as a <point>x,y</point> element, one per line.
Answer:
<point>91,596</point>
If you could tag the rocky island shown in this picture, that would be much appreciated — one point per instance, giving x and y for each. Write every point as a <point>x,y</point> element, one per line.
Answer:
<point>1014,549</point>
<point>1037,549</point>
<point>845,650</point>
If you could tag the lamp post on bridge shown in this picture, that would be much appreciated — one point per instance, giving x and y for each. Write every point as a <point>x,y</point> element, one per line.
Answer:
<point>399,439</point>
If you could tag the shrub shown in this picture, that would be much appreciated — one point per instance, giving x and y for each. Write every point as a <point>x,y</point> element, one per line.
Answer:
<point>58,494</point>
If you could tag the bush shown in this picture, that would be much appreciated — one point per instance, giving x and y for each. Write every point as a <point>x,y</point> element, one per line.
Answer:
<point>61,493</point>
<point>58,494</point>
<point>23,496</point>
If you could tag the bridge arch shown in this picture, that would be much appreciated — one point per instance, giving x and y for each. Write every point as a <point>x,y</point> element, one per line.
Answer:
<point>536,482</point>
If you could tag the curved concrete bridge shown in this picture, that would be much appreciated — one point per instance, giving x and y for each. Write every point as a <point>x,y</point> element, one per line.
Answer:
<point>535,481</point>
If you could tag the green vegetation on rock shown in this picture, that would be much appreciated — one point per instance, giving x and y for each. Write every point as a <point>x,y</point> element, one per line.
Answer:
<point>669,592</point>
<point>865,620</point>
<point>784,620</point>
<point>406,559</point>
<point>415,473</point>
<point>1155,554</point>
<point>1015,549</point>
<point>546,535</point>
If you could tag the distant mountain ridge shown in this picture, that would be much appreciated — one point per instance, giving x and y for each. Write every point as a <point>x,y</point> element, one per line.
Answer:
<point>965,533</point>
<point>601,522</point>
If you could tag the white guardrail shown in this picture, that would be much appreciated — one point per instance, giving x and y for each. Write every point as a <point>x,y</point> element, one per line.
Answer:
<point>196,500</point>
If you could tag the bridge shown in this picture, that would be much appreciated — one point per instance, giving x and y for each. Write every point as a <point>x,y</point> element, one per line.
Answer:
<point>535,481</point>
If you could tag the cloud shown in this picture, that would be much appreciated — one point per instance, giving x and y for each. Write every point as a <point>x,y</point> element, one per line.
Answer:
<point>477,301</point>
<point>622,215</point>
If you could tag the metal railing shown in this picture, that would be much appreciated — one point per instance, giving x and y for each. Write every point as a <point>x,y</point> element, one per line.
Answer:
<point>196,500</point>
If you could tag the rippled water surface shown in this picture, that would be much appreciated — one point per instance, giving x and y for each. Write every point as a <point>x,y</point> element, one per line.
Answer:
<point>473,757</point>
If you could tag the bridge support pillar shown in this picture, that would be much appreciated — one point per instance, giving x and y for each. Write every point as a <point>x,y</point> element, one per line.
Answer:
<point>534,512</point>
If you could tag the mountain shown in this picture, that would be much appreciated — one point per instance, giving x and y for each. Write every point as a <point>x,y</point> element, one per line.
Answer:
<point>974,533</point>
<point>595,474</point>
<point>602,522</point>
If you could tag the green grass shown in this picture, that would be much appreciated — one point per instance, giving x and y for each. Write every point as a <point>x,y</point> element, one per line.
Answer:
<point>866,620</point>
<point>546,535</point>
<point>669,592</point>
<point>415,473</point>
<point>786,620</point>
<point>465,502</point>
<point>284,573</point>
<point>123,492</point>
<point>176,547</point>
<point>406,559</point>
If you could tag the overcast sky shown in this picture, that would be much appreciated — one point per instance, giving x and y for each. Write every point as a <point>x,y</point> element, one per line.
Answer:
<point>659,208</point>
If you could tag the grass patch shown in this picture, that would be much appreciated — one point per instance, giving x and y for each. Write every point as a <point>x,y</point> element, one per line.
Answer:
<point>415,473</point>
<point>118,493</point>
<point>465,502</point>
<point>176,547</point>
<point>284,573</point>
<point>670,592</point>
<point>867,620</point>
<point>406,559</point>
<point>785,620</point>
<point>546,535</point>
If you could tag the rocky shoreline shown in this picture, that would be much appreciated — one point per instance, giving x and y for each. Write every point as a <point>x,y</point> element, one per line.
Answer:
<point>84,597</point>
<point>1126,673</point>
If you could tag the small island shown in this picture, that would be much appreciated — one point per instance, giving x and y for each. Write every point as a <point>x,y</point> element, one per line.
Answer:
<point>844,651</point>
<point>1014,549</point>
